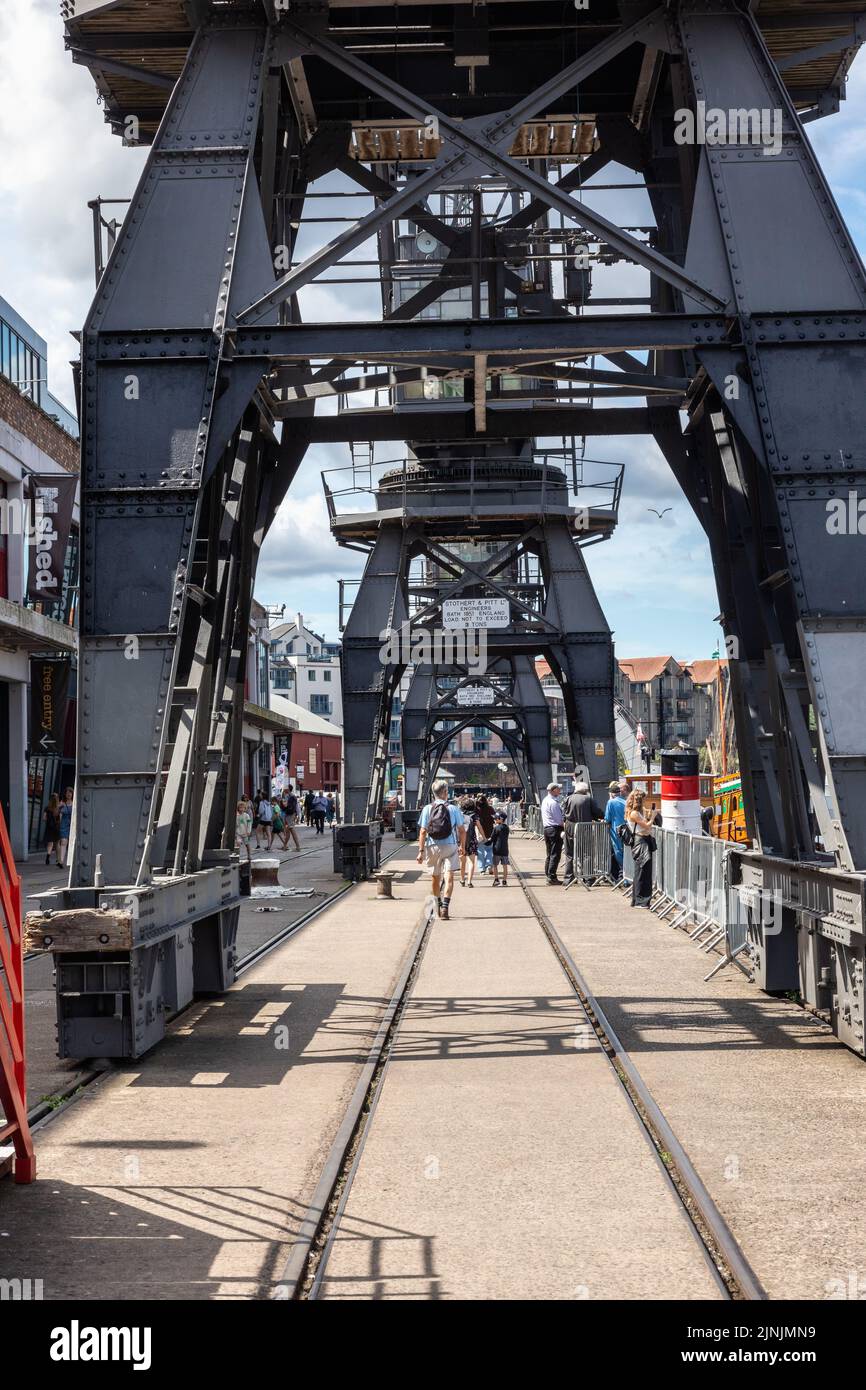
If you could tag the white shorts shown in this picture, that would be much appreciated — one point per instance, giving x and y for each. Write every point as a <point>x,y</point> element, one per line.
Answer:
<point>440,857</point>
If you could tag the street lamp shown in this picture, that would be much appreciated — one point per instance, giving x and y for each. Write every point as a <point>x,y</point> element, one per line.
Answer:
<point>503,767</point>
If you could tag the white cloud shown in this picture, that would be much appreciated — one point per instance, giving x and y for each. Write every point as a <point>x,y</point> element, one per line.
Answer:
<point>57,154</point>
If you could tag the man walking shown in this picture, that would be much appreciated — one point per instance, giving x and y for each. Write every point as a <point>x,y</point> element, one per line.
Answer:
<point>318,812</point>
<point>614,815</point>
<point>442,836</point>
<point>551,824</point>
<point>580,808</point>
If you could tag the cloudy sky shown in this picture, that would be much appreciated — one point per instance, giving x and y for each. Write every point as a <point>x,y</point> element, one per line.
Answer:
<point>653,577</point>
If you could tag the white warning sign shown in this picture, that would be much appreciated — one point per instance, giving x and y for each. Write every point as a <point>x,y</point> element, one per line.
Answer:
<point>474,695</point>
<point>475,612</point>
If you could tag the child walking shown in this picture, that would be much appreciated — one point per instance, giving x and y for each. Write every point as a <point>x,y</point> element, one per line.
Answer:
<point>499,845</point>
<point>243,826</point>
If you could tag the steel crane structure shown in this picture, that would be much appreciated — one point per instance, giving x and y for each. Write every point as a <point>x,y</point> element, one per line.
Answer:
<point>202,367</point>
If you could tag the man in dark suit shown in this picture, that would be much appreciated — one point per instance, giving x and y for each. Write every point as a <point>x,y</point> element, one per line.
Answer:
<point>580,808</point>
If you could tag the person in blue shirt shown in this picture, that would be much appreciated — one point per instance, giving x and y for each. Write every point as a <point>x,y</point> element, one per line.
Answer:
<point>614,815</point>
<point>441,838</point>
<point>65,827</point>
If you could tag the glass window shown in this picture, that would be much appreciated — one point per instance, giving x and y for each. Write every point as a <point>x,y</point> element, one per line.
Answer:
<point>326,675</point>
<point>5,350</point>
<point>311,675</point>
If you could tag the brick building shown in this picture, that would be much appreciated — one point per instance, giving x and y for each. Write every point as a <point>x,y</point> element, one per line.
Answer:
<point>314,746</point>
<point>671,700</point>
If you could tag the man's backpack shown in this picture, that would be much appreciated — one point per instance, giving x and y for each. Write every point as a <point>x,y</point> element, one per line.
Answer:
<point>292,806</point>
<point>439,823</point>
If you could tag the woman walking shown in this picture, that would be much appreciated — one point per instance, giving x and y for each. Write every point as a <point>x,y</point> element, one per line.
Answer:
<point>642,849</point>
<point>264,820</point>
<point>470,844</point>
<point>484,831</point>
<point>290,808</point>
<point>51,817</point>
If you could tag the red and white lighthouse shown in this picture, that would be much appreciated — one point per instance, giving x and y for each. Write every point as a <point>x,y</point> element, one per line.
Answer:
<point>681,790</point>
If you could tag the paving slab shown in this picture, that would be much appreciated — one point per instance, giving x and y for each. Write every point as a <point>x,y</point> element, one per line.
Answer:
<point>503,1160</point>
<point>185,1175</point>
<point>770,1108</point>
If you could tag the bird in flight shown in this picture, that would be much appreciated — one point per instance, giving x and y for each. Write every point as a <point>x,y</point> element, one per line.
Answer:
<point>660,514</point>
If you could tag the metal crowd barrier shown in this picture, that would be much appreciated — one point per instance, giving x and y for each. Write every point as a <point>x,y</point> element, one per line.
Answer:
<point>592,853</point>
<point>592,848</point>
<point>788,926</point>
<point>692,892</point>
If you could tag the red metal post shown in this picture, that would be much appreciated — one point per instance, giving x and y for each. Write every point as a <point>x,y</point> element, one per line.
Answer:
<point>13,1062</point>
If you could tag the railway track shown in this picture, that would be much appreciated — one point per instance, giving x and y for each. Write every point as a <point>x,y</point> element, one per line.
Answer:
<point>291,858</point>
<point>306,1270</point>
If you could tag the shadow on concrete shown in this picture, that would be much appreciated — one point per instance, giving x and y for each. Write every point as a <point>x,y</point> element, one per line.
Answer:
<point>400,1264</point>
<point>714,1025</point>
<point>142,1241</point>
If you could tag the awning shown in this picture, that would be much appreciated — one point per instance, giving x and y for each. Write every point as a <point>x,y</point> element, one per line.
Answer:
<point>22,627</point>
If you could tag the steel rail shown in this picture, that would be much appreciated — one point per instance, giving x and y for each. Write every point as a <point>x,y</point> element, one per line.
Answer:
<point>653,1120</point>
<point>305,1272</point>
<point>322,1217</point>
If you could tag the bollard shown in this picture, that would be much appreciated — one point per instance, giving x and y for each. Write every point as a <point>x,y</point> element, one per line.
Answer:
<point>384,882</point>
<point>263,873</point>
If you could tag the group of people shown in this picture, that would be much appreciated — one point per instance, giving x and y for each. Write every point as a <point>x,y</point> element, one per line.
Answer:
<point>265,817</point>
<point>58,826</point>
<point>629,823</point>
<point>456,839</point>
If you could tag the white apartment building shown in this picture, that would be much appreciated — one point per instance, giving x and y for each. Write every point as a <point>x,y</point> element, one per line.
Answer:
<point>305,668</point>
